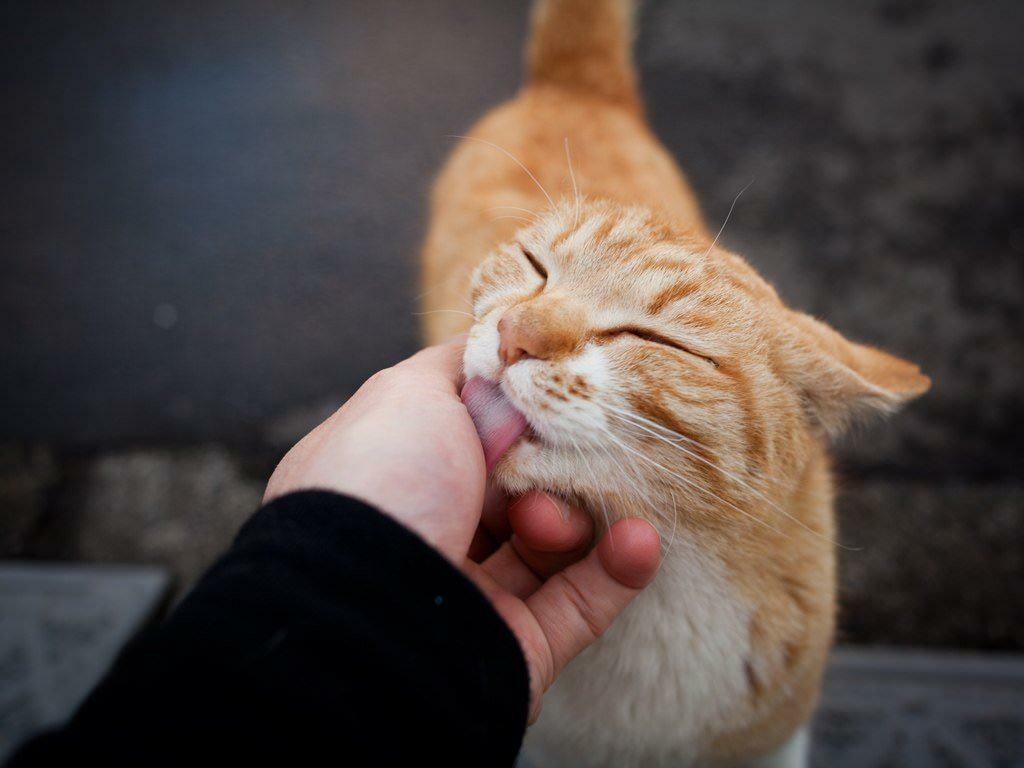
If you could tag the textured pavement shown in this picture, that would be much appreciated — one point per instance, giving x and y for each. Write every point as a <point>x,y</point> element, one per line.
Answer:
<point>884,708</point>
<point>212,213</point>
<point>61,627</point>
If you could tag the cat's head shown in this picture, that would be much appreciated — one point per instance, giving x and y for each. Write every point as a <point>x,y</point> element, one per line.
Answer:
<point>655,370</point>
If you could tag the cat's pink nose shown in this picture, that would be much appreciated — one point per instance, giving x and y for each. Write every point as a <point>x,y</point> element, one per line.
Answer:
<point>544,328</point>
<point>515,342</point>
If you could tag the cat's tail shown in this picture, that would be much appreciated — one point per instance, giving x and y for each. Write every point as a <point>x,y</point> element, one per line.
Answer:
<point>584,45</point>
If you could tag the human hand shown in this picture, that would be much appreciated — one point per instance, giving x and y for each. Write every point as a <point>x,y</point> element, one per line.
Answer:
<point>406,444</point>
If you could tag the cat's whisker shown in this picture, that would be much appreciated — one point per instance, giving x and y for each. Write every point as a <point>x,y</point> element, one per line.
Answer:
<point>691,454</point>
<point>607,520</point>
<point>576,447</point>
<point>692,484</point>
<point>616,461</point>
<point>637,498</point>
<point>727,216</point>
<point>452,311</point>
<point>603,481</point>
<point>634,484</point>
<point>676,437</point>
<point>668,484</point>
<point>572,176</point>
<point>675,521</point>
<point>740,481</point>
<point>673,438</point>
<point>459,274</point>
<point>611,461</point>
<point>595,477</point>
<point>533,214</point>
<point>514,159</point>
<point>551,503</point>
<point>513,216</point>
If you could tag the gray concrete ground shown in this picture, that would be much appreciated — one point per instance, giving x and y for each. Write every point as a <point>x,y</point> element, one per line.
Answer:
<point>906,709</point>
<point>60,629</point>
<point>212,212</point>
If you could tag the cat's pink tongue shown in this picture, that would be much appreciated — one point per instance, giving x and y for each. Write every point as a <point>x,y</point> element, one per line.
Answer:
<point>497,421</point>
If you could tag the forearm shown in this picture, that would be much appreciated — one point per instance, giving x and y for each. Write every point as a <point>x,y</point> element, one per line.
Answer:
<point>327,629</point>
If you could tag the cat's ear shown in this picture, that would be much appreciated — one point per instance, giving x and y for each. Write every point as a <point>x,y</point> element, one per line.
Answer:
<point>840,380</point>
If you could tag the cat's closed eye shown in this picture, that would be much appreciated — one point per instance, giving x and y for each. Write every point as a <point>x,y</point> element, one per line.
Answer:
<point>654,337</point>
<point>537,266</point>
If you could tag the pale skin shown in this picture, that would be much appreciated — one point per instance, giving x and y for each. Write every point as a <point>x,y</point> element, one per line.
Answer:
<point>406,444</point>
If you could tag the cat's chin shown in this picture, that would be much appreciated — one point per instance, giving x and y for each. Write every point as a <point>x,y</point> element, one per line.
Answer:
<point>516,471</point>
<point>529,465</point>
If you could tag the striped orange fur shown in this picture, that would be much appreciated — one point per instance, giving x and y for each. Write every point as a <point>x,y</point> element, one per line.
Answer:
<point>662,377</point>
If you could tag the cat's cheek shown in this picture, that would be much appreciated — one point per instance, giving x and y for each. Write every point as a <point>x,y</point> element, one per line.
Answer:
<point>591,370</point>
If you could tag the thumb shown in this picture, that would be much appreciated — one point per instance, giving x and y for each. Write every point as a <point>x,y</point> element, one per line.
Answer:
<point>575,606</point>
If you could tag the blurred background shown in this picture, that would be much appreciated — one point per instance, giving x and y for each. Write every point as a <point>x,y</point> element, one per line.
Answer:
<point>212,213</point>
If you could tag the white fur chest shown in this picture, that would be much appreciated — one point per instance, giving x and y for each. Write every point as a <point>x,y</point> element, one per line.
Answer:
<point>666,678</point>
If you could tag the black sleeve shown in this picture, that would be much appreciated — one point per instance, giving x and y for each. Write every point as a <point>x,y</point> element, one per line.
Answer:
<point>328,634</point>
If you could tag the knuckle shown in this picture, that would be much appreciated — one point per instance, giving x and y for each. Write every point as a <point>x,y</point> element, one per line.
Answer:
<point>582,605</point>
<point>381,386</point>
<point>540,662</point>
<point>382,378</point>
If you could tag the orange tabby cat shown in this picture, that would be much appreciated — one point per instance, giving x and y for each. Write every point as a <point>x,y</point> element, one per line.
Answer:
<point>662,377</point>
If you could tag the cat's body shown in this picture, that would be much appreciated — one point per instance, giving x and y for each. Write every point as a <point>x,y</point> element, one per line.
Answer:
<point>663,378</point>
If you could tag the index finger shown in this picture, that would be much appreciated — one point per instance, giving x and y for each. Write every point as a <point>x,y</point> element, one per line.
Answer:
<point>444,359</point>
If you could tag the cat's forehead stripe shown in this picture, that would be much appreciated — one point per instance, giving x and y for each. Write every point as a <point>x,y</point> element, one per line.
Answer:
<point>672,293</point>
